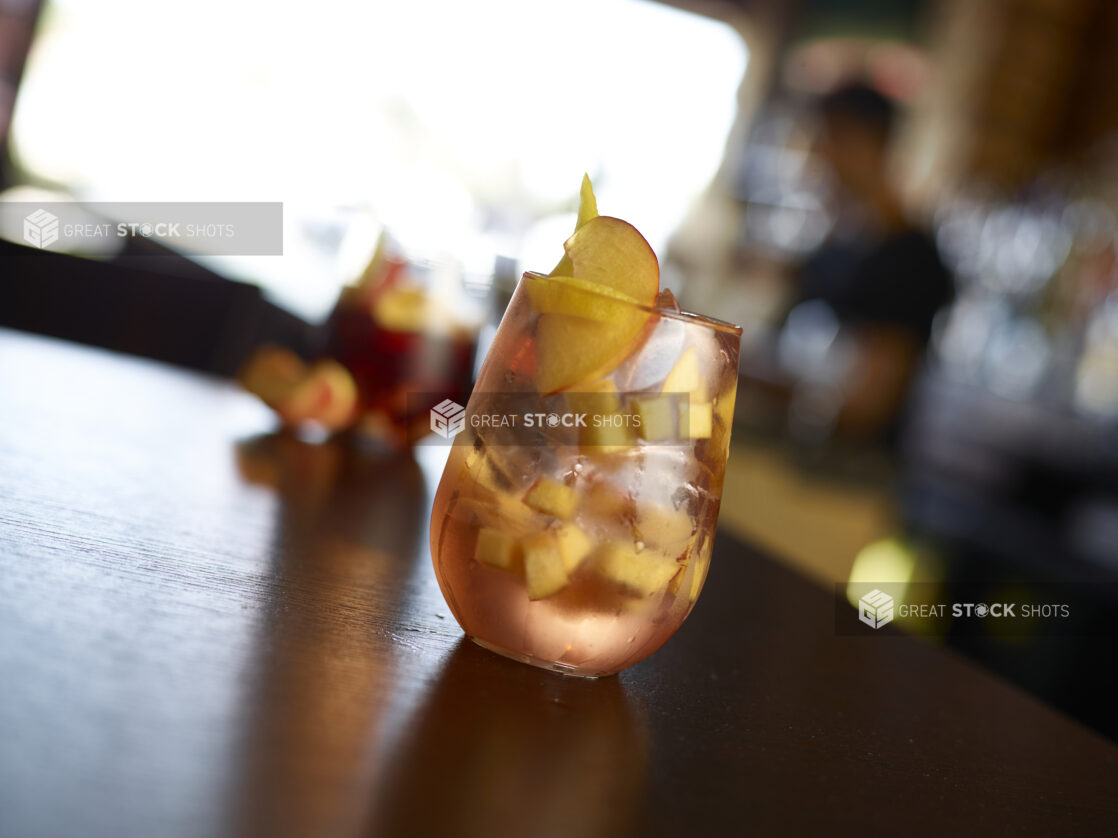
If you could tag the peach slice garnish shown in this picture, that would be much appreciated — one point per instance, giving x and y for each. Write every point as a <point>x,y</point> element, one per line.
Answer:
<point>611,253</point>
<point>587,321</point>
<point>577,297</point>
<point>571,349</point>
<point>587,209</point>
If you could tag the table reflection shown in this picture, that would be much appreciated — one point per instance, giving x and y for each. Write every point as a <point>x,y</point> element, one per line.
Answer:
<point>500,748</point>
<point>323,677</point>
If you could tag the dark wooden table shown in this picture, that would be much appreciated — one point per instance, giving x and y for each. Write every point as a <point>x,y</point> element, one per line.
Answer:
<point>207,629</point>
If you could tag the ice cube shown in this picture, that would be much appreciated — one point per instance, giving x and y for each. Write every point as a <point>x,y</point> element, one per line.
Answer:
<point>605,504</point>
<point>665,527</point>
<point>654,360</point>
<point>663,473</point>
<point>511,467</point>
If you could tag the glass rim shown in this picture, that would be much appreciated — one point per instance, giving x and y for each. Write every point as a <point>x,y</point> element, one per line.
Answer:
<point>683,316</point>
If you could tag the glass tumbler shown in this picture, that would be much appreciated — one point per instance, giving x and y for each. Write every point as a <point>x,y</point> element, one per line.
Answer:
<point>573,525</point>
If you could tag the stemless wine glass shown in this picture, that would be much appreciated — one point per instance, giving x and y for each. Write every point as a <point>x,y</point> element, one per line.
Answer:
<point>573,525</point>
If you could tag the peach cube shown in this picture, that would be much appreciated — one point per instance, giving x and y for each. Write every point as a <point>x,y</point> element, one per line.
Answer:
<point>696,418</point>
<point>656,417</point>
<point>574,546</point>
<point>495,548</point>
<point>544,571</point>
<point>641,573</point>
<point>552,498</point>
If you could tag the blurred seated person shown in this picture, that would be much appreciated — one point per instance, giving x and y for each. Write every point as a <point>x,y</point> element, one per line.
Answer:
<point>868,295</point>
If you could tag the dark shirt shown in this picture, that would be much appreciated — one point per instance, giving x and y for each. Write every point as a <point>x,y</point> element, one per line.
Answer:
<point>895,281</point>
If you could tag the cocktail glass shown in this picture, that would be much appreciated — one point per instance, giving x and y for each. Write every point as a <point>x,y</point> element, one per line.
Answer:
<point>582,545</point>
<point>407,329</point>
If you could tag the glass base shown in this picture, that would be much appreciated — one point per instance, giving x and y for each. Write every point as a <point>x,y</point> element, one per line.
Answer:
<point>551,666</point>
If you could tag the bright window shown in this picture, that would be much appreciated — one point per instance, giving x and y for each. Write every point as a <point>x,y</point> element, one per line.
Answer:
<point>475,116</point>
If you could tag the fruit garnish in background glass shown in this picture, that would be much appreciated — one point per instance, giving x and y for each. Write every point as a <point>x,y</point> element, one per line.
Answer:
<point>323,393</point>
<point>584,550</point>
